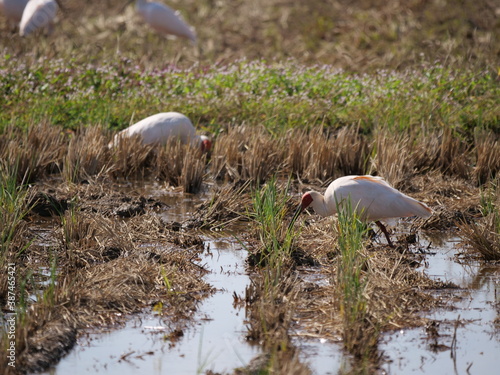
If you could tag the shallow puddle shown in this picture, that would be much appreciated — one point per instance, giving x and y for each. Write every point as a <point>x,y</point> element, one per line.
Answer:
<point>467,340</point>
<point>216,342</point>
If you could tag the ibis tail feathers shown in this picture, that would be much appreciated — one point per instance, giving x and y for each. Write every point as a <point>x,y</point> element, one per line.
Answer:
<point>418,208</point>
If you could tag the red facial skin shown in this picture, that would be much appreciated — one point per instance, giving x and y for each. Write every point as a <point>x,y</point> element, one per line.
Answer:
<point>306,200</point>
<point>206,145</point>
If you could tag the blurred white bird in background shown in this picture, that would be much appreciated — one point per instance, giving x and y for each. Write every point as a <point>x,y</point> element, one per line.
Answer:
<point>13,10</point>
<point>37,15</point>
<point>162,127</point>
<point>371,197</point>
<point>164,19</point>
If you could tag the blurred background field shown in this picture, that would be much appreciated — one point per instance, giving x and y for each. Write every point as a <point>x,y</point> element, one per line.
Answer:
<point>418,64</point>
<point>357,35</point>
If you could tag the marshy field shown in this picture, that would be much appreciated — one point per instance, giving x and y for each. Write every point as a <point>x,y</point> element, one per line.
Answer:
<point>163,260</point>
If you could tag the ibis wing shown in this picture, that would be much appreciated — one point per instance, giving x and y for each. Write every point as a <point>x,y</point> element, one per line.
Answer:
<point>161,127</point>
<point>37,14</point>
<point>165,20</point>
<point>375,199</point>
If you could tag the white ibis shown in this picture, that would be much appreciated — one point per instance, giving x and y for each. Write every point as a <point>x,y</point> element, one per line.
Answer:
<point>162,127</point>
<point>371,197</point>
<point>164,19</point>
<point>13,9</point>
<point>38,14</point>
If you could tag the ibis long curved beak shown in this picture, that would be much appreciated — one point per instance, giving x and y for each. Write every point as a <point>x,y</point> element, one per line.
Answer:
<point>296,214</point>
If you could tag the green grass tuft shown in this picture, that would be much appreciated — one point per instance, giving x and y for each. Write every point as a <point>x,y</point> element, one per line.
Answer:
<point>360,334</point>
<point>270,209</point>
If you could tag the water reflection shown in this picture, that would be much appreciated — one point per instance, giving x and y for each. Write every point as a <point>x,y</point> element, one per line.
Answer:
<point>466,331</point>
<point>216,341</point>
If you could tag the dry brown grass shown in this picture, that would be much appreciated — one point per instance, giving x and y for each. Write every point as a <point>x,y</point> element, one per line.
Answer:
<point>393,157</point>
<point>269,307</point>
<point>318,240</point>
<point>452,199</point>
<point>314,155</point>
<point>261,158</point>
<point>174,163</point>
<point>228,205</point>
<point>483,238</point>
<point>399,156</point>
<point>246,153</point>
<point>225,156</point>
<point>487,149</point>
<point>11,248</point>
<point>145,228</point>
<point>396,290</point>
<point>37,151</point>
<point>395,296</point>
<point>87,154</point>
<point>317,155</point>
<point>251,154</point>
<point>45,150</point>
<point>130,157</point>
<point>180,165</point>
<point>352,151</point>
<point>453,155</point>
<point>91,238</point>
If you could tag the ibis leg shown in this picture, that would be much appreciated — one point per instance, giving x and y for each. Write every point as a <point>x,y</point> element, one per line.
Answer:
<point>384,230</point>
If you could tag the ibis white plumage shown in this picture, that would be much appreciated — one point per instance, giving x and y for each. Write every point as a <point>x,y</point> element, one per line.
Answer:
<point>38,14</point>
<point>163,127</point>
<point>164,19</point>
<point>371,197</point>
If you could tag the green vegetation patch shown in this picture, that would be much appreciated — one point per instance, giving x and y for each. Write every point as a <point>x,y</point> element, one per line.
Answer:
<point>277,95</point>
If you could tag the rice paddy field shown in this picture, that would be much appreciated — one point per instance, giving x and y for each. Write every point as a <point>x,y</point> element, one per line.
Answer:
<point>162,260</point>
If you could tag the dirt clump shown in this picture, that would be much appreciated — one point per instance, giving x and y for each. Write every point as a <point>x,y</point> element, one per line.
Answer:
<point>48,345</point>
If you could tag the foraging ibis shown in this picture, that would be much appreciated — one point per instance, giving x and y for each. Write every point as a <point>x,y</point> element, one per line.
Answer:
<point>162,127</point>
<point>371,197</point>
<point>38,14</point>
<point>13,9</point>
<point>164,19</point>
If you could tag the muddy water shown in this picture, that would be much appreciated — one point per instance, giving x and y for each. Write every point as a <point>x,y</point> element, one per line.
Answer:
<point>216,340</point>
<point>467,340</point>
